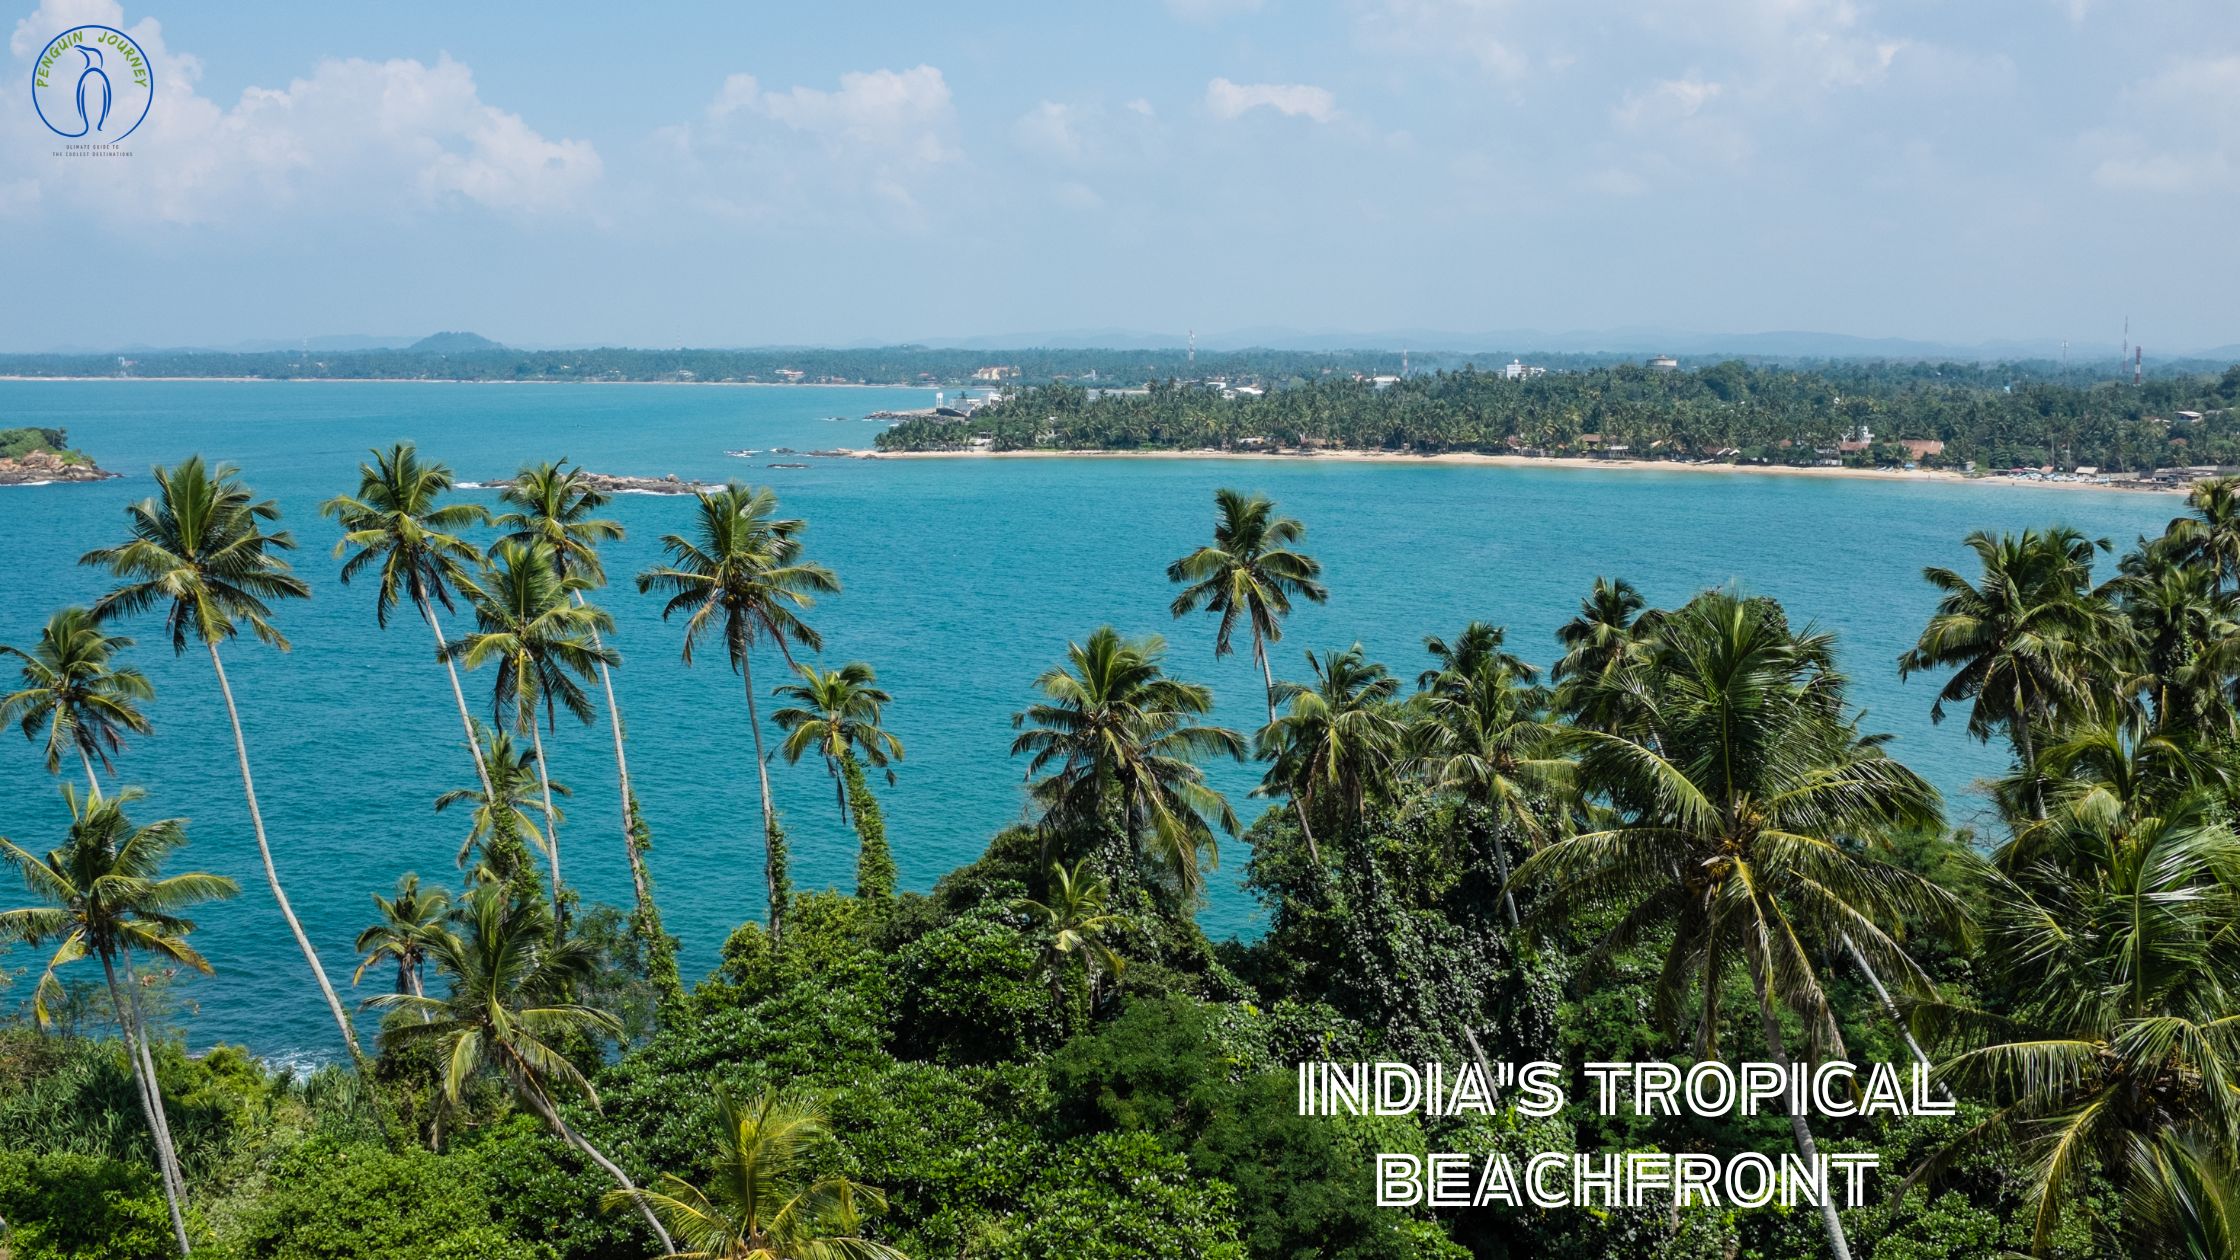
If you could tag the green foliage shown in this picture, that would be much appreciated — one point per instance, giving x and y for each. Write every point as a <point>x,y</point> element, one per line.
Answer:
<point>972,991</point>
<point>81,1207</point>
<point>339,1202</point>
<point>1119,1196</point>
<point>14,442</point>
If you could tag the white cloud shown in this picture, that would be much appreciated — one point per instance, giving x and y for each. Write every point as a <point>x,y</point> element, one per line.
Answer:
<point>880,136</point>
<point>1049,129</point>
<point>1293,100</point>
<point>1142,107</point>
<point>2176,132</point>
<point>390,136</point>
<point>1670,101</point>
<point>1486,33</point>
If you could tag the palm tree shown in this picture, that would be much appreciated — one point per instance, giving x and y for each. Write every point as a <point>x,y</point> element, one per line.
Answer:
<point>503,816</point>
<point>1727,815</point>
<point>763,1205</point>
<point>1338,741</point>
<point>1076,920</point>
<point>103,893</point>
<point>1479,644</point>
<point>1598,646</point>
<point>1250,573</point>
<point>2020,640</point>
<point>413,547</point>
<point>200,552</point>
<point>1485,736</point>
<point>554,504</point>
<point>408,922</point>
<point>742,576</point>
<point>2117,1046</point>
<point>2211,535</point>
<point>542,643</point>
<point>508,1012</point>
<point>835,713</point>
<point>1120,742</point>
<point>73,691</point>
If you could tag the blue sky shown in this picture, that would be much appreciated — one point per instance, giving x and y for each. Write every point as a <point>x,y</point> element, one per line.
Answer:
<point>722,175</point>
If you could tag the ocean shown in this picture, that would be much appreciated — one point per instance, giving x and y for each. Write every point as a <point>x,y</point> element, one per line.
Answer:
<point>964,579</point>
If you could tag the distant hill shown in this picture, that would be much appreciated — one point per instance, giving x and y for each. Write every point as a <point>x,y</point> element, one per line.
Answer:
<point>453,343</point>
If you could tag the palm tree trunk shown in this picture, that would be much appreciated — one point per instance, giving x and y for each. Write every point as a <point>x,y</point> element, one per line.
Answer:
<point>287,912</point>
<point>93,781</point>
<point>1890,1008</point>
<point>466,719</point>
<point>1838,1245</point>
<point>771,861</point>
<point>1501,861</point>
<point>1268,677</point>
<point>169,1150</point>
<point>551,1116</point>
<point>551,817</point>
<point>151,1105</point>
<point>640,886</point>
<point>875,870</point>
<point>2026,751</point>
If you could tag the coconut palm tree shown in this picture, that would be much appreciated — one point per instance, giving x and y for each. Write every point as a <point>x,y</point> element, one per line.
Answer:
<point>503,821</point>
<point>1598,646</point>
<point>554,504</point>
<point>508,1012</point>
<point>835,713</point>
<point>200,552</point>
<point>73,690</point>
<point>1479,644</point>
<point>1338,742</point>
<point>1250,573</point>
<point>408,922</point>
<point>741,576</point>
<point>2116,1047</point>
<point>2211,534</point>
<point>1485,736</point>
<point>103,894</point>
<point>541,642</point>
<point>764,1203</point>
<point>1117,743</point>
<point>2021,640</point>
<point>1075,920</point>
<point>1728,809</point>
<point>411,545</point>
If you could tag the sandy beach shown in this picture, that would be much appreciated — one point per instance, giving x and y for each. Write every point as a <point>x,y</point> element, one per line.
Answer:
<point>1922,475</point>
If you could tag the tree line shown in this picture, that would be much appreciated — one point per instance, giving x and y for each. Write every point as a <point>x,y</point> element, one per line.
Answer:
<point>1993,417</point>
<point>1676,839</point>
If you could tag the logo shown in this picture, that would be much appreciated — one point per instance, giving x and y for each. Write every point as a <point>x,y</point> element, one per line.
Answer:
<point>92,83</point>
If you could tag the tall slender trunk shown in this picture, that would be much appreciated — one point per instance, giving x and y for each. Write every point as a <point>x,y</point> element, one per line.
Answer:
<point>875,870</point>
<point>466,719</point>
<point>771,862</point>
<point>1268,677</point>
<point>1799,1129</point>
<point>551,1116</point>
<point>640,885</point>
<point>93,781</point>
<point>2026,751</point>
<point>1890,1008</point>
<point>1501,861</point>
<point>551,817</point>
<point>151,1105</point>
<point>287,912</point>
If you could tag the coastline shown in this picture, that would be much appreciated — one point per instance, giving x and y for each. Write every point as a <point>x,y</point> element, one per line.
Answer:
<point>454,380</point>
<point>1918,475</point>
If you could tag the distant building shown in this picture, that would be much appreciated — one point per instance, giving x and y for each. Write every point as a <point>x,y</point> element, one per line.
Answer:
<point>791,374</point>
<point>1519,370</point>
<point>1382,382</point>
<point>1663,363</point>
<point>994,373</point>
<point>1923,448</point>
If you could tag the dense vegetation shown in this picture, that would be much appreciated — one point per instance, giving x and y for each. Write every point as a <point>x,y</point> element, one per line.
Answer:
<point>1675,841</point>
<point>19,442</point>
<point>1996,417</point>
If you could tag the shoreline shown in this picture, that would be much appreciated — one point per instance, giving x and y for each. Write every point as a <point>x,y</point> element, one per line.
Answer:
<point>1573,462</point>
<point>451,380</point>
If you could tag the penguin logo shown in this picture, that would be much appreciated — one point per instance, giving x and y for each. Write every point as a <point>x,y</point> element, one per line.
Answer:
<point>92,83</point>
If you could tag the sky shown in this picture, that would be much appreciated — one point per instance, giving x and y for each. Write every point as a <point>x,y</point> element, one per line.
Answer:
<point>752,174</point>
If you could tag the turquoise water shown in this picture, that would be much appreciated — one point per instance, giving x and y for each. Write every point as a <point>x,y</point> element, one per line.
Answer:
<point>964,579</point>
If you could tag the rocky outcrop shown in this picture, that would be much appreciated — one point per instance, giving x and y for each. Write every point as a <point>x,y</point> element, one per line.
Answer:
<point>607,483</point>
<point>37,468</point>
